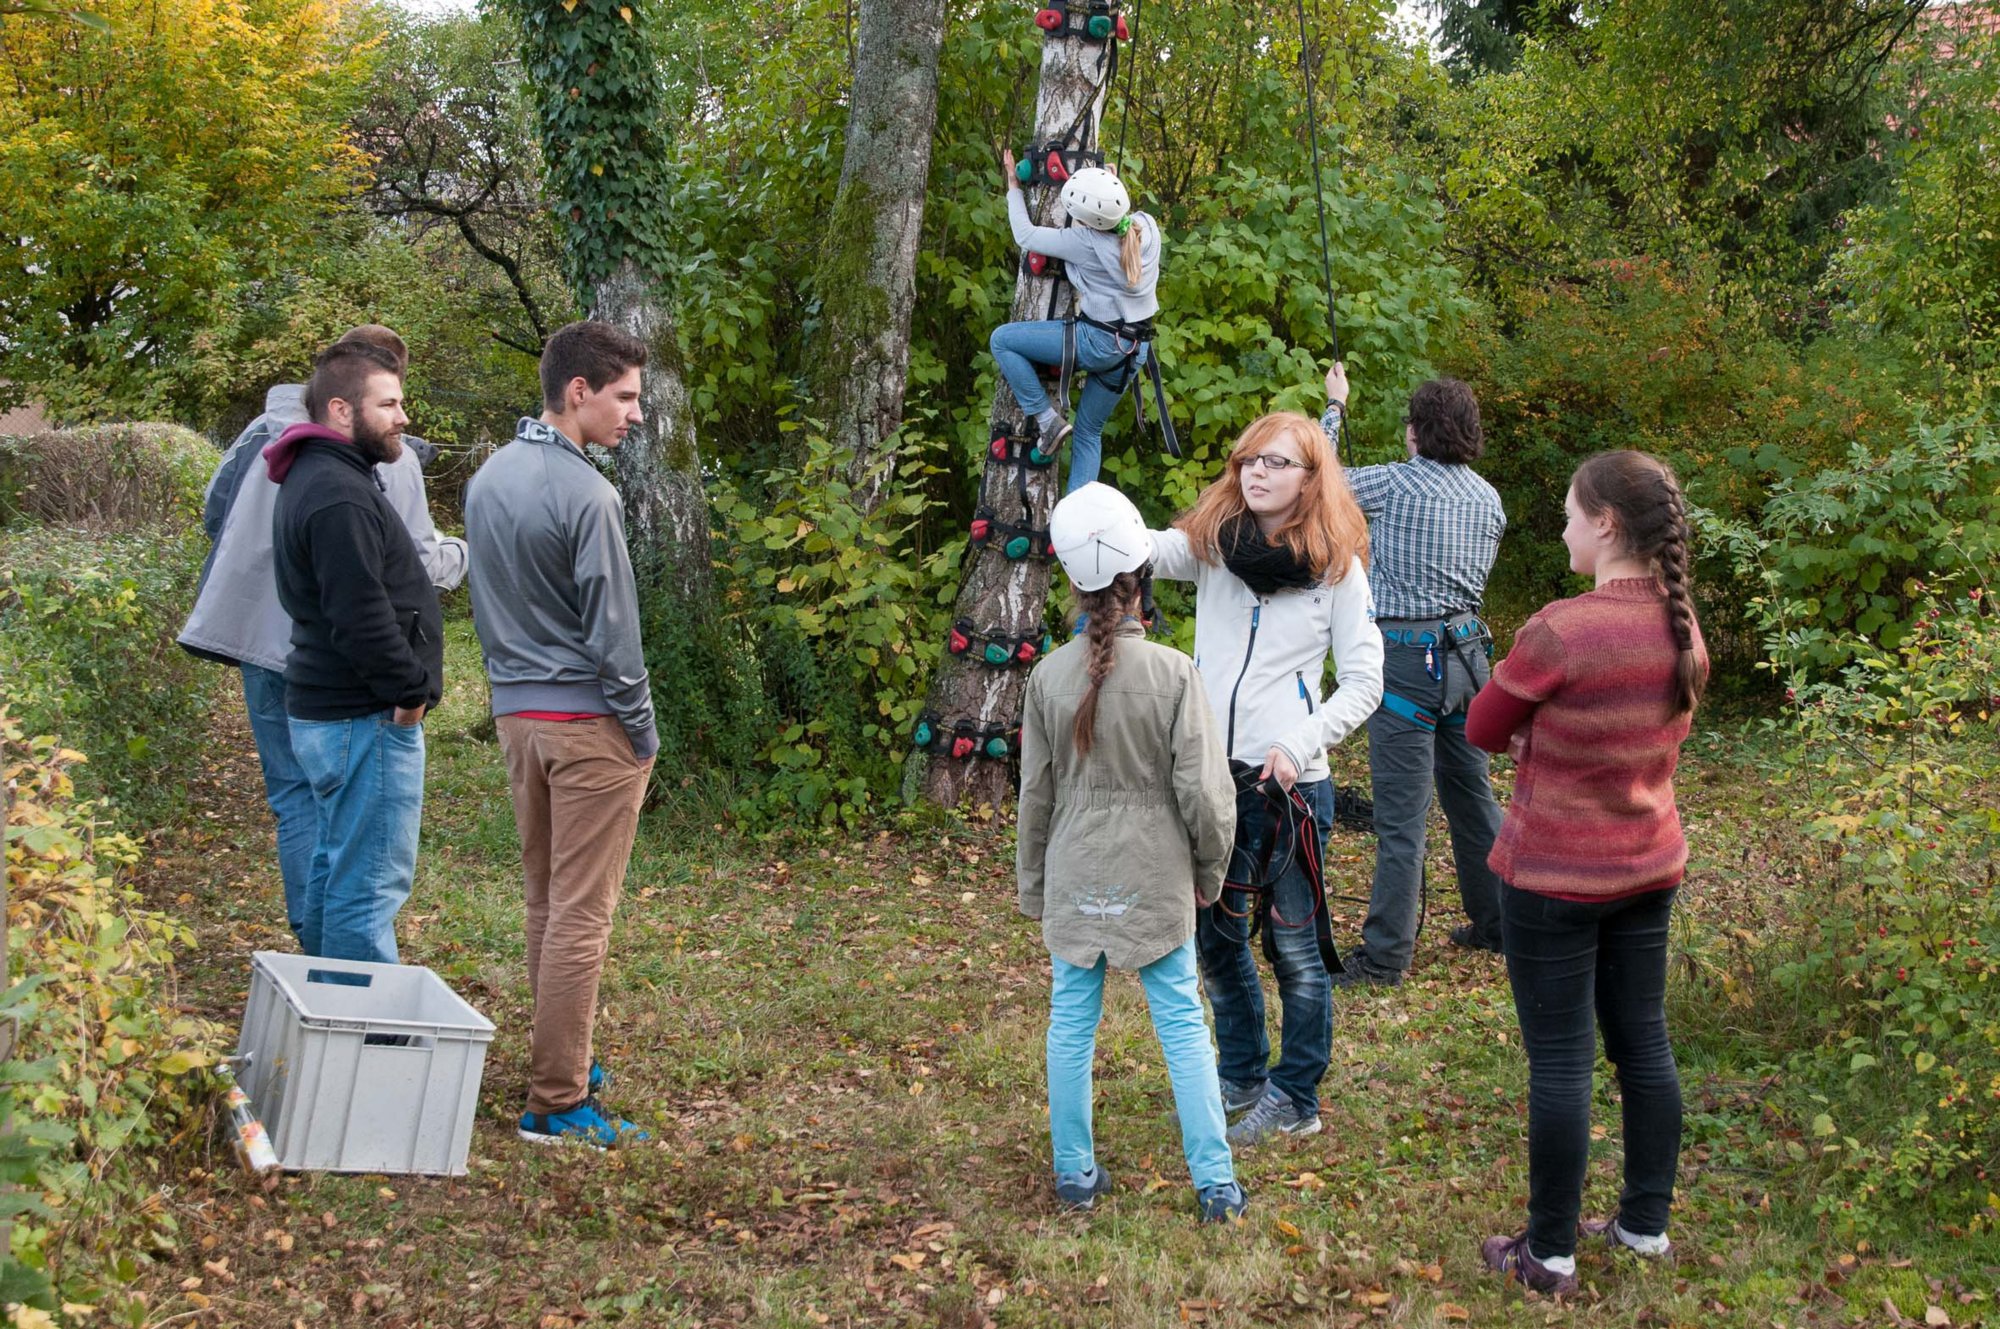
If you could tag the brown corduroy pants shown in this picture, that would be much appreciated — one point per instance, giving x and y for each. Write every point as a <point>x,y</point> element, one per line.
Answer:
<point>577,789</point>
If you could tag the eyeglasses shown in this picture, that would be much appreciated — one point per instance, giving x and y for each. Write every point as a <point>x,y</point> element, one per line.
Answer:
<point>1275,462</point>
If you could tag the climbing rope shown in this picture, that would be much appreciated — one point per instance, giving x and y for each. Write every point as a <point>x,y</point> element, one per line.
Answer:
<point>1319,188</point>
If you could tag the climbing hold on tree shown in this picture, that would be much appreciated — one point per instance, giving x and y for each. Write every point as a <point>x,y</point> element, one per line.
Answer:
<point>1019,546</point>
<point>923,735</point>
<point>1050,20</point>
<point>962,747</point>
<point>996,747</point>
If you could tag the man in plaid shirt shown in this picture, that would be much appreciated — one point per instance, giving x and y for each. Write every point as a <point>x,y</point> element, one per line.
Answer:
<point>1434,529</point>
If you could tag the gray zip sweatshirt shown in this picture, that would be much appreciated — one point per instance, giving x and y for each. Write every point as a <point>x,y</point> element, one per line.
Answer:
<point>553,599</point>
<point>1092,261</point>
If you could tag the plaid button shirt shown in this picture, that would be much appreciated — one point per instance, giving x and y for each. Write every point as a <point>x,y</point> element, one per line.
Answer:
<point>1433,532</point>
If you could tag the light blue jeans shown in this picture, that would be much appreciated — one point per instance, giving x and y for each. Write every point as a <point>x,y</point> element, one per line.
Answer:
<point>1174,997</point>
<point>285,788</point>
<point>367,779</point>
<point>1019,347</point>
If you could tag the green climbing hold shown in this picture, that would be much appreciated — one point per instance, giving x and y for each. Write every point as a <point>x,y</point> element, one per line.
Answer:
<point>996,747</point>
<point>1018,547</point>
<point>1025,170</point>
<point>1100,27</point>
<point>996,654</point>
<point>923,735</point>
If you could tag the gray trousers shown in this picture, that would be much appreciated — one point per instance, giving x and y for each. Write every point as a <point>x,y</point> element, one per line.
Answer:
<point>1406,759</point>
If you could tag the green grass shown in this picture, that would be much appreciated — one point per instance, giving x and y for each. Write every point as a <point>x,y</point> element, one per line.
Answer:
<point>836,1043</point>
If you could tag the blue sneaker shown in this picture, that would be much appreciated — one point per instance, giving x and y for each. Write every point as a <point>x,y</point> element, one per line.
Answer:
<point>582,1124</point>
<point>1078,1191</point>
<point>599,1077</point>
<point>1220,1204</point>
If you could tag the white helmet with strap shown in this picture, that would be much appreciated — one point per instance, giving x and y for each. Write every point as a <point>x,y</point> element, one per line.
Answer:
<point>1098,534</point>
<point>1096,198</point>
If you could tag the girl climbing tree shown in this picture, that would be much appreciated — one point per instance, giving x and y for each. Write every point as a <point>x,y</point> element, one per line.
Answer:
<point>1112,259</point>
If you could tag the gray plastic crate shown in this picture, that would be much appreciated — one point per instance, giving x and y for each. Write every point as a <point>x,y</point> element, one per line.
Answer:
<point>358,1067</point>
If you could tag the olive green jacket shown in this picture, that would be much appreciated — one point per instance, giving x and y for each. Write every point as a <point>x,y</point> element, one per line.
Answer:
<point>1115,847</point>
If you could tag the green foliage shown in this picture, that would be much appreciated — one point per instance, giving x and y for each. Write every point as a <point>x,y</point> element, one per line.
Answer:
<point>1897,974</point>
<point>118,477</point>
<point>106,1069</point>
<point>847,619</point>
<point>1843,554</point>
<point>153,170</point>
<point>87,625</point>
<point>599,97</point>
<point>1921,267</point>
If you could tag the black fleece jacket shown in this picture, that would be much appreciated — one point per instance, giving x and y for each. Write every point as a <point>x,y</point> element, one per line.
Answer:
<point>367,634</point>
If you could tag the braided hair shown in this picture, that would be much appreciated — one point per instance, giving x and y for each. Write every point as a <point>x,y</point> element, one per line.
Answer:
<point>1644,498</point>
<point>1106,609</point>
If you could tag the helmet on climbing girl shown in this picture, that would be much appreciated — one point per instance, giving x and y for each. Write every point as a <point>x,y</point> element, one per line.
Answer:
<point>1097,534</point>
<point>1097,198</point>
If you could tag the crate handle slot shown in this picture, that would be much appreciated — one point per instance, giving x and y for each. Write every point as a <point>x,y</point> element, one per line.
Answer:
<point>418,1041</point>
<point>340,978</point>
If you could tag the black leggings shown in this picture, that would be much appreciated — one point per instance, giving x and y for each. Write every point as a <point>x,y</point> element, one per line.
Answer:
<point>1575,967</point>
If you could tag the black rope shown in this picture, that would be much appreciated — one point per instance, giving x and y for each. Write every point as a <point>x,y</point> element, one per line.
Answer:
<point>1131,74</point>
<point>1319,189</point>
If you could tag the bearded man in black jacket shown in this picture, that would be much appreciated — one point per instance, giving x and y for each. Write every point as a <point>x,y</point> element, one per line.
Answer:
<point>367,657</point>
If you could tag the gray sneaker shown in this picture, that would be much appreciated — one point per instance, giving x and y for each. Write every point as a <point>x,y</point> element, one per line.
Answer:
<point>1220,1204</point>
<point>1275,1114</point>
<point>1238,1096</point>
<point>1078,1191</point>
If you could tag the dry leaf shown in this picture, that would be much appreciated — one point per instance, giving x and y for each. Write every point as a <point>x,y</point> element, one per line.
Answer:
<point>1286,1229</point>
<point>911,1262</point>
<point>1451,1310</point>
<point>1936,1317</point>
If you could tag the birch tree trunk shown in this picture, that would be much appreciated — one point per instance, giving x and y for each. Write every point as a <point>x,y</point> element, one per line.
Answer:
<point>659,464</point>
<point>866,276</point>
<point>999,595</point>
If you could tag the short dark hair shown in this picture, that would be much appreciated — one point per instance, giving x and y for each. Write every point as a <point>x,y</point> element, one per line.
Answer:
<point>592,351</point>
<point>341,371</point>
<point>376,334</point>
<point>1445,415</point>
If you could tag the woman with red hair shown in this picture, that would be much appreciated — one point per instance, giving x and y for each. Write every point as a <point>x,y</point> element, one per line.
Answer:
<point>1278,552</point>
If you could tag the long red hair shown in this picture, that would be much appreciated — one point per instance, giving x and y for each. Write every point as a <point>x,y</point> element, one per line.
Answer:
<point>1326,531</point>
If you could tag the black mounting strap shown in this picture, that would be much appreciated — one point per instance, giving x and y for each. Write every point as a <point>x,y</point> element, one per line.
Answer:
<point>1019,450</point>
<point>1016,542</point>
<point>964,738</point>
<point>996,648</point>
<point>1093,21</point>
<point>1053,163</point>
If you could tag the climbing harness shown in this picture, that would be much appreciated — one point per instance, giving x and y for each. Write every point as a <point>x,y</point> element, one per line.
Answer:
<point>964,738</point>
<point>1288,817</point>
<point>996,647</point>
<point>1138,359</point>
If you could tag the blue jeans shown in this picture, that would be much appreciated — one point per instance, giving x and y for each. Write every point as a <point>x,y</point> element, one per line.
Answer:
<point>1407,760</point>
<point>367,779</point>
<point>285,787</point>
<point>1576,968</point>
<point>1305,993</point>
<point>1174,997</point>
<point>1019,347</point>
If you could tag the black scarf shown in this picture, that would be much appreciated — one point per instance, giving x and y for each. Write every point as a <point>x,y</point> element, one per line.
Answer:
<point>1263,567</point>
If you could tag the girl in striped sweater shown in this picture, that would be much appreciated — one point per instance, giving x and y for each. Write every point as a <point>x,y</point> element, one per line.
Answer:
<point>1594,702</point>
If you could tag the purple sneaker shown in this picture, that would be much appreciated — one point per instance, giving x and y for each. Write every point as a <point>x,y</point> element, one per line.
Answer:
<point>1511,1256</point>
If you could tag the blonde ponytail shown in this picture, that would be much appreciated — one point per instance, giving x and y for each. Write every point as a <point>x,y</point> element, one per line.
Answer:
<point>1128,253</point>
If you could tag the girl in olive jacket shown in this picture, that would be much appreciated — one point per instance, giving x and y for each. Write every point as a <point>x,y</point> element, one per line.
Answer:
<point>1127,813</point>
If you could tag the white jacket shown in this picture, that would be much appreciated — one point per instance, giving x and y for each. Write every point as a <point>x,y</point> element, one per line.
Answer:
<point>1262,657</point>
<point>236,616</point>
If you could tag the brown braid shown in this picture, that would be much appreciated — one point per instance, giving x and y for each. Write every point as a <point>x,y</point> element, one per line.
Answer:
<point>1106,609</point>
<point>1644,499</point>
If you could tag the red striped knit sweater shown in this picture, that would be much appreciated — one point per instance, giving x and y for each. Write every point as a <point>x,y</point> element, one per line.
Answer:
<point>1588,687</point>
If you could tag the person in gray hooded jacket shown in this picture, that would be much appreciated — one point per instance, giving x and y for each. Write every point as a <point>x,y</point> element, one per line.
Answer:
<point>557,612</point>
<point>238,621</point>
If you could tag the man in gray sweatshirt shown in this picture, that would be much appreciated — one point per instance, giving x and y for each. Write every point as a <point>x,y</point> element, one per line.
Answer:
<point>557,613</point>
<point>237,619</point>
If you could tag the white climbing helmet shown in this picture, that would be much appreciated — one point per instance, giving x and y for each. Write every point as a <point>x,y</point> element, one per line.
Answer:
<point>1096,198</point>
<point>1099,534</point>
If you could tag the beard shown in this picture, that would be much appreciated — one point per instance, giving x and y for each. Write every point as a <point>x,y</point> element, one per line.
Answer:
<point>378,446</point>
